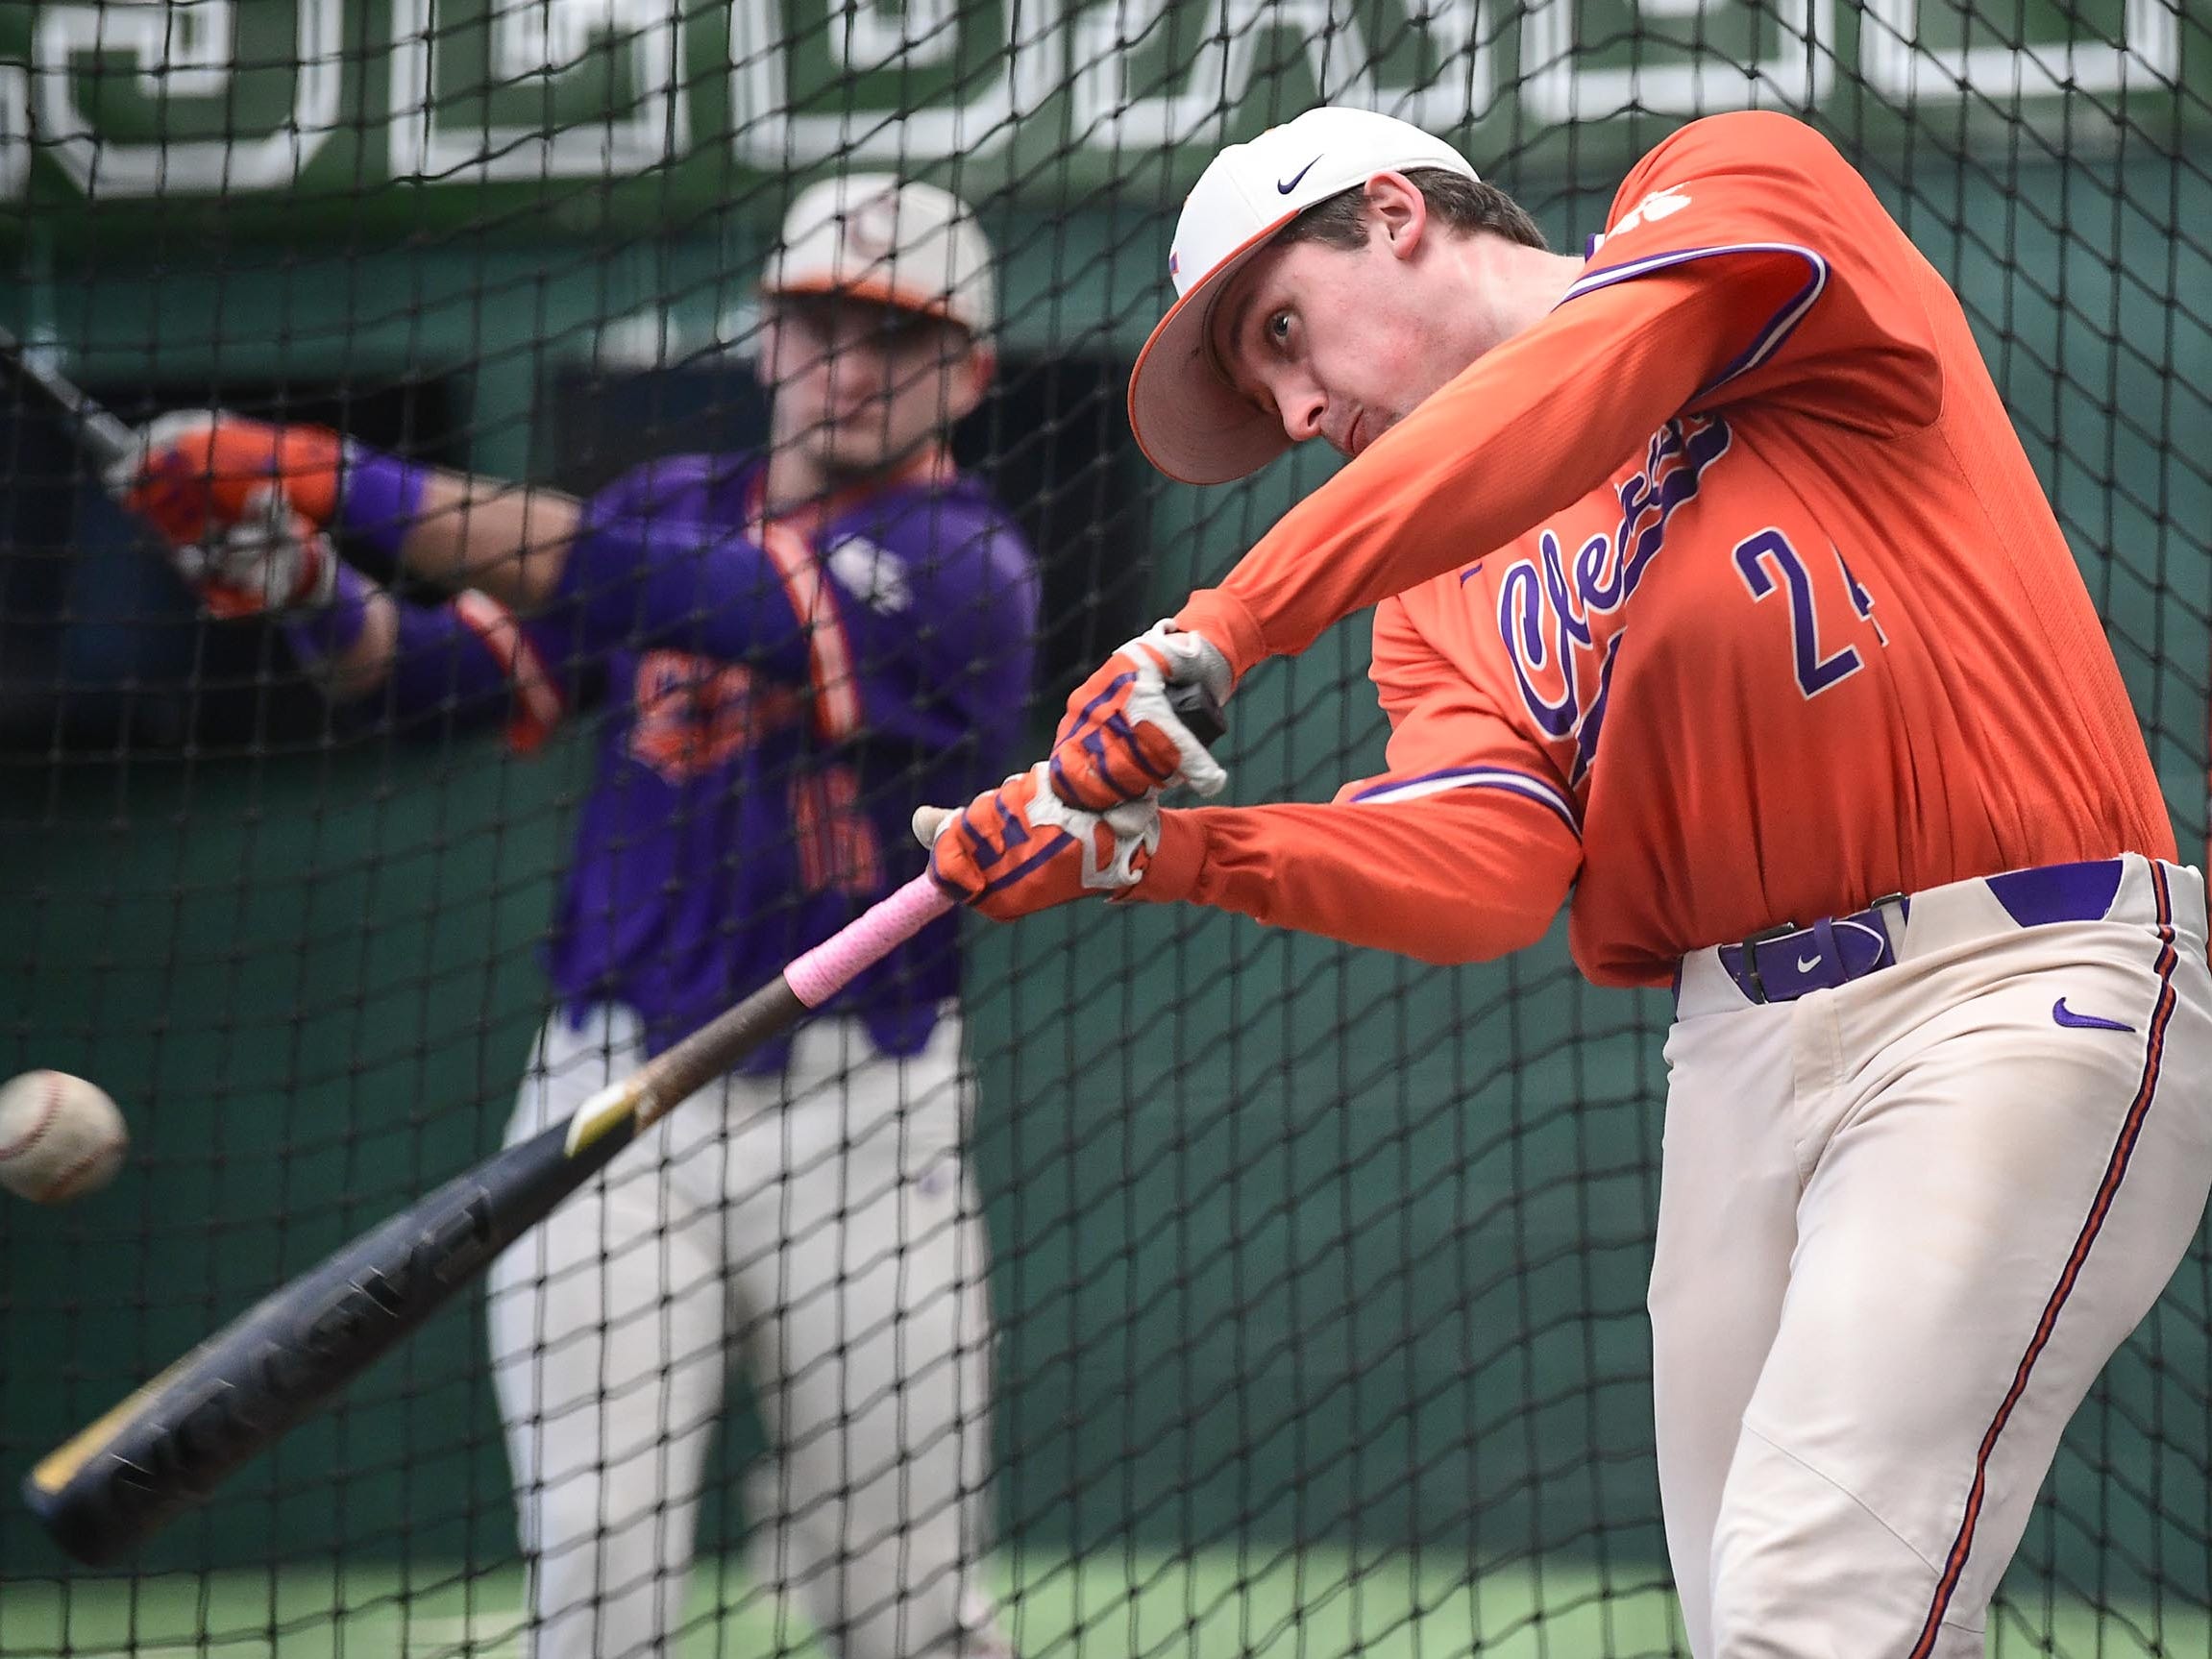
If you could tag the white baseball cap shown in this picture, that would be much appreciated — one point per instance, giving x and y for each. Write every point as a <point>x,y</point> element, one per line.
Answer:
<point>898,243</point>
<point>1189,419</point>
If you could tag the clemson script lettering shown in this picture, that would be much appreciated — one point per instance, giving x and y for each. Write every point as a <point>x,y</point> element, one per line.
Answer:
<point>1562,619</point>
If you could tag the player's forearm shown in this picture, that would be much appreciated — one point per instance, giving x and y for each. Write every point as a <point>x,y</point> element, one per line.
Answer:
<point>347,648</point>
<point>1447,879</point>
<point>1533,426</point>
<point>510,541</point>
<point>466,661</point>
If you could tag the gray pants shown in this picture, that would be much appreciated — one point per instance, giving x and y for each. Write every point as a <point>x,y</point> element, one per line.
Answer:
<point>822,1225</point>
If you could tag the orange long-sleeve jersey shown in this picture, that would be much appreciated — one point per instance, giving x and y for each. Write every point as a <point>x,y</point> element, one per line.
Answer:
<point>1724,597</point>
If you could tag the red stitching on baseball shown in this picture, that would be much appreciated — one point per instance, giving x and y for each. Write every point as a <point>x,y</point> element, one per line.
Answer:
<point>38,1130</point>
<point>60,1186</point>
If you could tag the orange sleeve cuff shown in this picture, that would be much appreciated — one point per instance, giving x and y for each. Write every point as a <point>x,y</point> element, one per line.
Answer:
<point>1178,862</point>
<point>1228,622</point>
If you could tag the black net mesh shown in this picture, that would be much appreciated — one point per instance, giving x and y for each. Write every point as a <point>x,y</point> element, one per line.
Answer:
<point>1317,1276</point>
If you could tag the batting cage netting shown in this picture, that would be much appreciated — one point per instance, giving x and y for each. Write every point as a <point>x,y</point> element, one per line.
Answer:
<point>1132,1280</point>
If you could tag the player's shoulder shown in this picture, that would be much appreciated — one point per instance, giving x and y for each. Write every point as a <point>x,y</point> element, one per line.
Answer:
<point>1745,145</point>
<point>928,547</point>
<point>1744,138</point>
<point>1750,178</point>
<point>937,522</point>
<point>676,483</point>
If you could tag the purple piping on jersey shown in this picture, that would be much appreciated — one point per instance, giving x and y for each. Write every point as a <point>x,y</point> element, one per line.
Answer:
<point>1768,340</point>
<point>2108,1189</point>
<point>1470,777</point>
<point>2058,891</point>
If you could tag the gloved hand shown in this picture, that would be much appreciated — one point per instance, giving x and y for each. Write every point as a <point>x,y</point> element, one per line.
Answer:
<point>269,560</point>
<point>202,471</point>
<point>1122,739</point>
<point>1017,849</point>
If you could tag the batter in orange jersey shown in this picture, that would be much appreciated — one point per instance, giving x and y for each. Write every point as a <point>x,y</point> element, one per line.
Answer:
<point>1713,587</point>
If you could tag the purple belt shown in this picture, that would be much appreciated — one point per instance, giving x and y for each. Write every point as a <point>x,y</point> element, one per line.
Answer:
<point>1785,963</point>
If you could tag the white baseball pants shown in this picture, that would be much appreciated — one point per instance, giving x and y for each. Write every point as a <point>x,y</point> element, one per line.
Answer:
<point>821,1227</point>
<point>1902,1225</point>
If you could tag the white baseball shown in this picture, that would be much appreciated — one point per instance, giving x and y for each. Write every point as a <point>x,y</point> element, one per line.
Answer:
<point>61,1136</point>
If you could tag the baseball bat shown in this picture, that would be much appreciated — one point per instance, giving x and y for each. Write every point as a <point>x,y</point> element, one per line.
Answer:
<point>103,439</point>
<point>169,1443</point>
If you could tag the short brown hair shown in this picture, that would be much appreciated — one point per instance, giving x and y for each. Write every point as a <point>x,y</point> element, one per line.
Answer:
<point>1466,205</point>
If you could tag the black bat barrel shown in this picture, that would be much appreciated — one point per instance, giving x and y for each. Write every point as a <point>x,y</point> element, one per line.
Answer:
<point>169,1444</point>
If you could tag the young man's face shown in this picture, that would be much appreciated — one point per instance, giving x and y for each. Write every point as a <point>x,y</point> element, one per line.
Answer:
<point>1339,344</point>
<point>858,386</point>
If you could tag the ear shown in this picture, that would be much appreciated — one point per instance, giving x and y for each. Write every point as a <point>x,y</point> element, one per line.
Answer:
<point>1398,211</point>
<point>767,347</point>
<point>969,381</point>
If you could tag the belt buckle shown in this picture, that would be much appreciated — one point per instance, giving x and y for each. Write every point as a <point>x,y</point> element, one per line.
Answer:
<point>1750,949</point>
<point>1880,910</point>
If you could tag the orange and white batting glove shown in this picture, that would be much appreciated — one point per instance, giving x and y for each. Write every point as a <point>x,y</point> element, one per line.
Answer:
<point>271,560</point>
<point>1018,848</point>
<point>200,471</point>
<point>1122,739</point>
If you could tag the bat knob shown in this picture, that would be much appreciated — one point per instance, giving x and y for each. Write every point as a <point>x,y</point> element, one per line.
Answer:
<point>1200,711</point>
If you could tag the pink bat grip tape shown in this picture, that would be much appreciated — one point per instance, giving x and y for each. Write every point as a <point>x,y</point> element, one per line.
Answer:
<point>826,969</point>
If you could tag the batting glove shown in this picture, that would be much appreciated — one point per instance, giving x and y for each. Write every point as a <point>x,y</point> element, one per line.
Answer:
<point>1122,741</point>
<point>197,472</point>
<point>270,561</point>
<point>1018,848</point>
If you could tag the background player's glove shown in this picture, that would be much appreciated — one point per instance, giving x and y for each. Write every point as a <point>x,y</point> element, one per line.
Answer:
<point>200,471</point>
<point>1122,739</point>
<point>1019,849</point>
<point>270,560</point>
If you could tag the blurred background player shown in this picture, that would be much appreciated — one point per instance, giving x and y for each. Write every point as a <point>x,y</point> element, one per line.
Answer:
<point>1714,592</point>
<point>790,649</point>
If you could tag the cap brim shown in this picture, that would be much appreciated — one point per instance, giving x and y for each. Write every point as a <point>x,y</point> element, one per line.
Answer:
<point>874,291</point>
<point>1189,420</point>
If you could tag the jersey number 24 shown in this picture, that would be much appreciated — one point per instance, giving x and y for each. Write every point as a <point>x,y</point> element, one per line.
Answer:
<point>1816,673</point>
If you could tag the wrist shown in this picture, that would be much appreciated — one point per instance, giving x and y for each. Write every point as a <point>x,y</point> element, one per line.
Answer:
<point>332,630</point>
<point>1225,622</point>
<point>1177,863</point>
<point>380,498</point>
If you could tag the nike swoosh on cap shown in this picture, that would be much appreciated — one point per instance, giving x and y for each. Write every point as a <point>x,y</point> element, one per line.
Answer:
<point>2065,1015</point>
<point>1284,187</point>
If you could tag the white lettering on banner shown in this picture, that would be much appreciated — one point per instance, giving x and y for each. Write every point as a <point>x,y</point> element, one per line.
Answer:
<point>535,44</point>
<point>15,129</point>
<point>921,32</point>
<point>138,98</point>
<point>1898,62</point>
<point>184,50</point>
<point>1691,80</point>
<point>1238,41</point>
<point>767,132</point>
